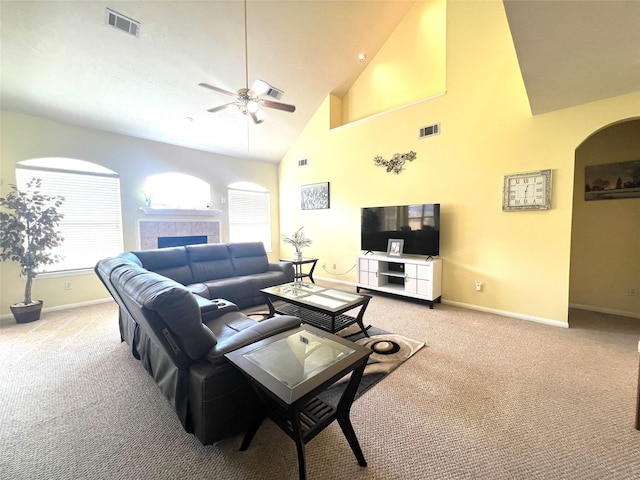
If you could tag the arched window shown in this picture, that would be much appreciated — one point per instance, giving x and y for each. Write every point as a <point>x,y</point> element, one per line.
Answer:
<point>249,214</point>
<point>177,190</point>
<point>92,223</point>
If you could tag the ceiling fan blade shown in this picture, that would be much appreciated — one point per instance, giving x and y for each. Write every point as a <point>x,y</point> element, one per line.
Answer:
<point>221,107</point>
<point>259,87</point>
<point>255,118</point>
<point>278,105</point>
<point>218,89</point>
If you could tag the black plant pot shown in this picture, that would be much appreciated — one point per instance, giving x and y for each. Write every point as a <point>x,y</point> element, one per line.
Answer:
<point>26,313</point>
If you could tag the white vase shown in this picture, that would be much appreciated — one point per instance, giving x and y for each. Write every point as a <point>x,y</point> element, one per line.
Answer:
<point>297,256</point>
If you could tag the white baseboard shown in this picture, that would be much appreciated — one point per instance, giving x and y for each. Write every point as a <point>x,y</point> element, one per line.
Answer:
<point>469,306</point>
<point>334,280</point>
<point>7,318</point>
<point>505,313</point>
<point>611,311</point>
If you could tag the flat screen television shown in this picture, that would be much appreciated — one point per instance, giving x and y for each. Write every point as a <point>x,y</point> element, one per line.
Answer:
<point>418,225</point>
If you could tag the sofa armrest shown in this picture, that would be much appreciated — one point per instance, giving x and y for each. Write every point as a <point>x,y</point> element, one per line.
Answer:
<point>280,266</point>
<point>259,331</point>
<point>198,289</point>
<point>284,267</point>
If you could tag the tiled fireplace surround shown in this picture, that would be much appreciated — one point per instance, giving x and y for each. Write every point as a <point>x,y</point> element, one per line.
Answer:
<point>150,230</point>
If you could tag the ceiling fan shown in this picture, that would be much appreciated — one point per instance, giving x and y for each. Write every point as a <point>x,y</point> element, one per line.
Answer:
<point>248,100</point>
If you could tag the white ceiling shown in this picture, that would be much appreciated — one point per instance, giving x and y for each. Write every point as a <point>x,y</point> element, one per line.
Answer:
<point>575,52</point>
<point>60,60</point>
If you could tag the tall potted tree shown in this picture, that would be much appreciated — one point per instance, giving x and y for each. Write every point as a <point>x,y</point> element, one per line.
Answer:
<point>28,221</point>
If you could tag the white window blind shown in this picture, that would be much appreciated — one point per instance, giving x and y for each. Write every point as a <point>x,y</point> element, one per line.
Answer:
<point>92,223</point>
<point>250,217</point>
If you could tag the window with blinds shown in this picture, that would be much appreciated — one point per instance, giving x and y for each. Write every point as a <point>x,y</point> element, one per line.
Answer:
<point>250,217</point>
<point>92,223</point>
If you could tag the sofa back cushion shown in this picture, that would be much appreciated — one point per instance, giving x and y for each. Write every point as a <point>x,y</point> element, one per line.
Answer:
<point>248,258</point>
<point>172,262</point>
<point>103,270</point>
<point>167,311</point>
<point>210,261</point>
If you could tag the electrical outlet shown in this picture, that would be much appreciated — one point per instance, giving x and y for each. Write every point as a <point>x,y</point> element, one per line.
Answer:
<point>67,285</point>
<point>478,286</point>
<point>633,292</point>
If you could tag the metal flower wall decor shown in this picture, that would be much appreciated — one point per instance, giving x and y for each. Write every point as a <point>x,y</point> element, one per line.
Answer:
<point>397,161</point>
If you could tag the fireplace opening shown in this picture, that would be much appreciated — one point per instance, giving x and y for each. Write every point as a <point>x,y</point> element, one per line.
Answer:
<point>164,242</point>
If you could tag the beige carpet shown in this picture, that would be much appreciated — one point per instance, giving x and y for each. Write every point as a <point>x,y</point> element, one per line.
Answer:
<point>488,397</point>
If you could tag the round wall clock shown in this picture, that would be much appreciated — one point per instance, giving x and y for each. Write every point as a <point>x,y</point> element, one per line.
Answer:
<point>527,191</point>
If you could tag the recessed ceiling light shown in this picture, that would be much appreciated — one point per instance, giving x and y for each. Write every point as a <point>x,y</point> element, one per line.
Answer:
<point>362,57</point>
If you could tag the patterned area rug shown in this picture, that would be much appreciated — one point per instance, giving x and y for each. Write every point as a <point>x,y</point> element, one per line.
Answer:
<point>389,352</point>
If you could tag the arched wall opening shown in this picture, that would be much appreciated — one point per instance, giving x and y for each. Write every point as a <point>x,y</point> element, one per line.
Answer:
<point>605,234</point>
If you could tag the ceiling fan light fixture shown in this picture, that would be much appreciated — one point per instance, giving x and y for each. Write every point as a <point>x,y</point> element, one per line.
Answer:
<point>253,106</point>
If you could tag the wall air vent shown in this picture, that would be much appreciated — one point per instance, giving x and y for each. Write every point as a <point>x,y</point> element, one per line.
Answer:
<point>430,130</point>
<point>302,163</point>
<point>119,21</point>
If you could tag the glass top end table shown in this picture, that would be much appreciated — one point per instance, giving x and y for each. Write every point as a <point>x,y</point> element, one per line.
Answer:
<point>289,370</point>
<point>298,357</point>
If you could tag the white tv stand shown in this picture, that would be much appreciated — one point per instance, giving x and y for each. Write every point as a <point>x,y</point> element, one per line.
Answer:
<point>414,277</point>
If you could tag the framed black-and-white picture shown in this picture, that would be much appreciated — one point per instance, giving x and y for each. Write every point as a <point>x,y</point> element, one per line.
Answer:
<point>315,196</point>
<point>394,247</point>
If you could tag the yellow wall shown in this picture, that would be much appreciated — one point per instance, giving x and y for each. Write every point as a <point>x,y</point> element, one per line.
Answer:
<point>605,241</point>
<point>523,258</point>
<point>487,132</point>
<point>25,137</point>
<point>399,75</point>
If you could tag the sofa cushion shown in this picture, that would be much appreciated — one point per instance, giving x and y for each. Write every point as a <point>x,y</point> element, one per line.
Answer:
<point>210,261</point>
<point>171,306</point>
<point>235,289</point>
<point>266,279</point>
<point>237,332</point>
<point>249,258</point>
<point>172,262</point>
<point>180,310</point>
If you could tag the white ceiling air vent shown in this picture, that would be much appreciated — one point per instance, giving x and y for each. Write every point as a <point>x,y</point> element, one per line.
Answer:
<point>302,163</point>
<point>119,21</point>
<point>430,130</point>
<point>275,93</point>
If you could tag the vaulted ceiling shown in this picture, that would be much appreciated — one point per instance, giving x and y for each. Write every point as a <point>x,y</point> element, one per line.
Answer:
<point>60,60</point>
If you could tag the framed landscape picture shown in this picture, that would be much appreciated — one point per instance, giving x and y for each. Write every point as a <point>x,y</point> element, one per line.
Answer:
<point>612,181</point>
<point>315,196</point>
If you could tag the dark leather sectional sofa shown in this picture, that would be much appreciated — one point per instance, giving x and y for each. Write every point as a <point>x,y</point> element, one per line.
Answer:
<point>181,337</point>
<point>234,271</point>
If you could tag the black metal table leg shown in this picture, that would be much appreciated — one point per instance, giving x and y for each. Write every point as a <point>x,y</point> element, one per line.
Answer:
<point>343,410</point>
<point>298,437</point>
<point>251,432</point>
<point>272,310</point>
<point>313,266</point>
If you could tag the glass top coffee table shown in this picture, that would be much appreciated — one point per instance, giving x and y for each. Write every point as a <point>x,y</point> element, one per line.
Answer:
<point>289,371</point>
<point>318,306</point>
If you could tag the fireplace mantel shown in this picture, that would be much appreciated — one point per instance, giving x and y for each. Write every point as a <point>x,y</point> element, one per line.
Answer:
<point>179,212</point>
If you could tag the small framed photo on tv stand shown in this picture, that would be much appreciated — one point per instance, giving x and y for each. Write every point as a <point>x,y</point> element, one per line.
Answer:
<point>394,247</point>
